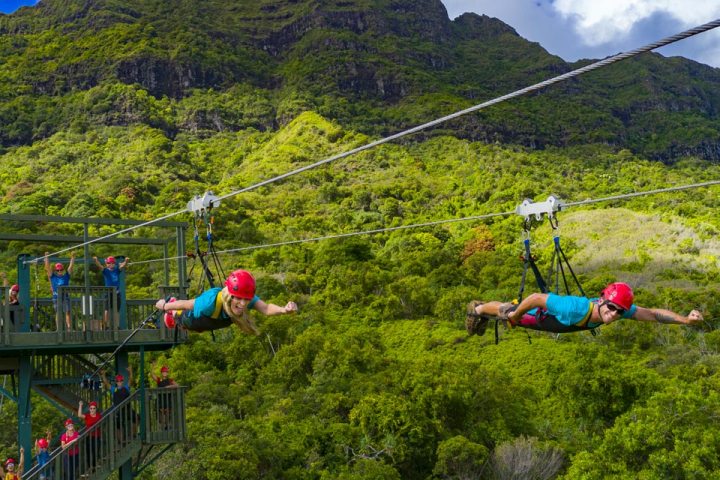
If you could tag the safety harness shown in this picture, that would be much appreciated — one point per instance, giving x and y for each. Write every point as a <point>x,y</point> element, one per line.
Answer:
<point>213,322</point>
<point>558,272</point>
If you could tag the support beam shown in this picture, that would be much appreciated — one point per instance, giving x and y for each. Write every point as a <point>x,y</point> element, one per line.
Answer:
<point>26,237</point>
<point>25,409</point>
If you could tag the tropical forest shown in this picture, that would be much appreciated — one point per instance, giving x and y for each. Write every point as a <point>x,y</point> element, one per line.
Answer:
<point>127,109</point>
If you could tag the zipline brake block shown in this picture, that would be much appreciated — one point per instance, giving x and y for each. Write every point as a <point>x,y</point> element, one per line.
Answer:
<point>528,208</point>
<point>199,205</point>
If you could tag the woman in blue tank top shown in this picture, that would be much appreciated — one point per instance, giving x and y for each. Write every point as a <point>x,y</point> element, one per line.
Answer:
<point>220,307</point>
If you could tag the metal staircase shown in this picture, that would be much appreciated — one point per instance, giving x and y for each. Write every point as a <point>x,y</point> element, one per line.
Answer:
<point>58,378</point>
<point>142,424</point>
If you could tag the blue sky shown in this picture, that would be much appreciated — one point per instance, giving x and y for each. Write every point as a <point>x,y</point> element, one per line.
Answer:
<point>8,6</point>
<point>575,29</point>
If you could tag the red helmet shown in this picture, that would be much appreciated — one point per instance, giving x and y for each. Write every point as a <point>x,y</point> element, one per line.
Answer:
<point>92,404</point>
<point>620,294</point>
<point>119,378</point>
<point>42,443</point>
<point>10,461</point>
<point>59,266</point>
<point>69,421</point>
<point>164,368</point>
<point>110,259</point>
<point>241,284</point>
<point>15,288</point>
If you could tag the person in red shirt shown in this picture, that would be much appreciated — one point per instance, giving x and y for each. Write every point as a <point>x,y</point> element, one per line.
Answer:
<point>10,472</point>
<point>71,457</point>
<point>92,440</point>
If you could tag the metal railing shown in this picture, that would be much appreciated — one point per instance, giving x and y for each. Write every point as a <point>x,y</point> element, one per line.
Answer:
<point>86,309</point>
<point>118,436</point>
<point>86,322</point>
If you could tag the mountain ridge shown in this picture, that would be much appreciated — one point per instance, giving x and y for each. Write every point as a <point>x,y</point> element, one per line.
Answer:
<point>377,66</point>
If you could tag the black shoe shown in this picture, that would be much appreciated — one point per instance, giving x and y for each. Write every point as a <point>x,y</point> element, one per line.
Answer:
<point>475,324</point>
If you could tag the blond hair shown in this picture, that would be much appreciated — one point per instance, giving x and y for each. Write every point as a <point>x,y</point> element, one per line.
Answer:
<point>245,322</point>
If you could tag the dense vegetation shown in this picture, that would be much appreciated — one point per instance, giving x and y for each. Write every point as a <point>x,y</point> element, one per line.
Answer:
<point>375,377</point>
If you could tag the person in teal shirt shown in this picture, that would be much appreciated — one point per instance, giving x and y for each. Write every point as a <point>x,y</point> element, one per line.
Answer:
<point>564,313</point>
<point>221,307</point>
<point>111,277</point>
<point>58,277</point>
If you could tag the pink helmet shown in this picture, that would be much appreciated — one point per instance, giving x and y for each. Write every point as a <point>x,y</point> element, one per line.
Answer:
<point>241,284</point>
<point>119,378</point>
<point>15,288</point>
<point>42,443</point>
<point>110,259</point>
<point>620,294</point>
<point>59,266</point>
<point>164,368</point>
<point>10,461</point>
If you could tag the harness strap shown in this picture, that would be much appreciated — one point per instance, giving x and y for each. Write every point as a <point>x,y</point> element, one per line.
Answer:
<point>218,306</point>
<point>586,318</point>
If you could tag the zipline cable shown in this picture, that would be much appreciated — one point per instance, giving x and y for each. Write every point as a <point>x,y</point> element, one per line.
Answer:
<point>342,235</point>
<point>452,220</point>
<point>538,86</point>
<point>640,194</point>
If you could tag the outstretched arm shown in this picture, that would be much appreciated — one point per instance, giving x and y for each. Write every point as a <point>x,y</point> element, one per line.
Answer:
<point>21,464</point>
<point>105,381</point>
<point>97,262</point>
<point>535,300</point>
<point>176,305</point>
<point>660,315</point>
<point>270,309</point>
<point>48,270</point>
<point>81,416</point>
<point>72,263</point>
<point>124,262</point>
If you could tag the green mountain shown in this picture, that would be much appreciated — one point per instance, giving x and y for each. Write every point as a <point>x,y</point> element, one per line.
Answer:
<point>129,108</point>
<point>377,66</point>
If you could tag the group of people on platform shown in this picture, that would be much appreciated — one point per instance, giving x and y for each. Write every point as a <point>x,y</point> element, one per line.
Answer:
<point>59,276</point>
<point>125,426</point>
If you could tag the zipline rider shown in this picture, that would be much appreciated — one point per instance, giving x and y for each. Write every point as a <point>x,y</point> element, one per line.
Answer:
<point>221,307</point>
<point>566,313</point>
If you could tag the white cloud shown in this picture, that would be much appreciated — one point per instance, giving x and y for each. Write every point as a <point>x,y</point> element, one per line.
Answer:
<point>575,29</point>
<point>599,22</point>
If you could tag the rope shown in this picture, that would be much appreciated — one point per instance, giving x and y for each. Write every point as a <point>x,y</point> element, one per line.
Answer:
<point>441,222</point>
<point>538,86</point>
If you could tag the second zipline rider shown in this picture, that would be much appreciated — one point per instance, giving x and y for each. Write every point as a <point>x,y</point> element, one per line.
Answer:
<point>566,313</point>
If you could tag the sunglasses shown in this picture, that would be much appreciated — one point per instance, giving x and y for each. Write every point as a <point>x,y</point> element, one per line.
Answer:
<point>614,308</point>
